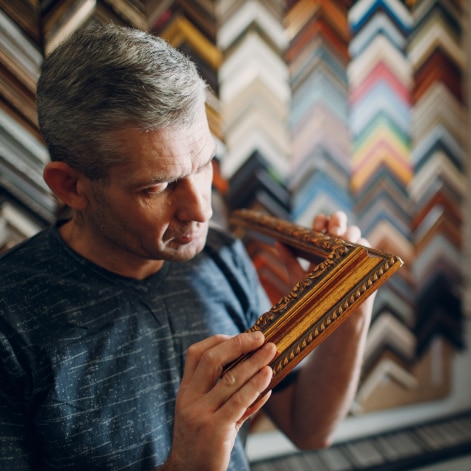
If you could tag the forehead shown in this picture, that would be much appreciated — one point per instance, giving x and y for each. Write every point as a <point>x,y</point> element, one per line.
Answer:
<point>165,153</point>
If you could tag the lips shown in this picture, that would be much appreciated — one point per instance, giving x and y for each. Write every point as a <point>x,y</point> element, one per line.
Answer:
<point>186,237</point>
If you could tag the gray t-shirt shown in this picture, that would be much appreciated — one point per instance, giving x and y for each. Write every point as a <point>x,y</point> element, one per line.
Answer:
<point>91,362</point>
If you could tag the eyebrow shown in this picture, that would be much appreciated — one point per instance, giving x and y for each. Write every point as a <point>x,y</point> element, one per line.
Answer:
<point>166,178</point>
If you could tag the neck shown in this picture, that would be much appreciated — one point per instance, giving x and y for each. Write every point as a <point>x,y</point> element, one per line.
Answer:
<point>90,248</point>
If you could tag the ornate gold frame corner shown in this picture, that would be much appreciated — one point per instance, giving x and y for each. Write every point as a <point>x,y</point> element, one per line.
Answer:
<point>344,275</point>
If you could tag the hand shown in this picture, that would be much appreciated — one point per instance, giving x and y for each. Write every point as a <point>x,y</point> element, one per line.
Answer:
<point>210,409</point>
<point>335,225</point>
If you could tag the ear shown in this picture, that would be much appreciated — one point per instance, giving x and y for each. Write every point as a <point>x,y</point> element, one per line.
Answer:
<point>67,184</point>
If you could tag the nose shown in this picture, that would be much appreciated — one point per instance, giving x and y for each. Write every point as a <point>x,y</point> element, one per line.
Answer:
<point>194,200</point>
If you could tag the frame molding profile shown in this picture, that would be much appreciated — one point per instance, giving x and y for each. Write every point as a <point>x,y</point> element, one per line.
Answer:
<point>342,276</point>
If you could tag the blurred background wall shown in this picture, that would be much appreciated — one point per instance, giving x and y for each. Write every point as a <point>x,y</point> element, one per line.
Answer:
<point>316,106</point>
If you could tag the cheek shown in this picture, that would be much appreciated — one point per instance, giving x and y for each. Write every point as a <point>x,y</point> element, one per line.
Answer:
<point>155,213</point>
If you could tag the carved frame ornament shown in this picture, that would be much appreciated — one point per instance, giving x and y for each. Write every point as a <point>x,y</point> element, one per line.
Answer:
<point>343,275</point>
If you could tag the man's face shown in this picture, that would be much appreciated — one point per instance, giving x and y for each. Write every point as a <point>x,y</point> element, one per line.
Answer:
<point>158,205</point>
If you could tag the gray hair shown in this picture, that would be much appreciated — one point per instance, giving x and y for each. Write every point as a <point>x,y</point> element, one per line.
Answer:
<point>106,78</point>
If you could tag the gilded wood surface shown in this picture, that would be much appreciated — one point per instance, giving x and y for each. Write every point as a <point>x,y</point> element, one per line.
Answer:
<point>342,277</point>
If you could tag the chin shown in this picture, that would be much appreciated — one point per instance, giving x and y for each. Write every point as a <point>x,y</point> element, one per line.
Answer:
<point>184,253</point>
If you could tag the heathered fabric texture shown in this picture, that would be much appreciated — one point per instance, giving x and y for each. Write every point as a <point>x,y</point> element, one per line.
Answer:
<point>91,362</point>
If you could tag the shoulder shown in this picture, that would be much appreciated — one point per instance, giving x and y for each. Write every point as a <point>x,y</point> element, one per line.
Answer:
<point>29,275</point>
<point>225,271</point>
<point>218,236</point>
<point>229,254</point>
<point>25,254</point>
<point>223,246</point>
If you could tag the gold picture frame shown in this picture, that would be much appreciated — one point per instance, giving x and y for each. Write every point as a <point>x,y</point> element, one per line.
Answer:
<point>344,275</point>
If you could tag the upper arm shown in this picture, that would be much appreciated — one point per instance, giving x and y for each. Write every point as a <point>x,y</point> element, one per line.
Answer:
<point>15,452</point>
<point>15,432</point>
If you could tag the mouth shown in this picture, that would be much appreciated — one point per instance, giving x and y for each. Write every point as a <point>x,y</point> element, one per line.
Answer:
<point>189,236</point>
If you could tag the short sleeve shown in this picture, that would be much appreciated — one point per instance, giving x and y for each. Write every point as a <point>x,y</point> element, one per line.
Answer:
<point>16,450</point>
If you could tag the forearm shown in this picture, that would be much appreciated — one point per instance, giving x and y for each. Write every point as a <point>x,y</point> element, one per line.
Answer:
<point>327,384</point>
<point>310,409</point>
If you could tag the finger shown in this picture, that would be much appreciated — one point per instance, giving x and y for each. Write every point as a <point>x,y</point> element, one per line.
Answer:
<point>337,224</point>
<point>194,355</point>
<point>245,400</point>
<point>212,361</point>
<point>352,234</point>
<point>320,222</point>
<point>255,406</point>
<point>237,377</point>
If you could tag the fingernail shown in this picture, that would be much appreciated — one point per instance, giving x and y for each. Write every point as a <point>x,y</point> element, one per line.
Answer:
<point>257,335</point>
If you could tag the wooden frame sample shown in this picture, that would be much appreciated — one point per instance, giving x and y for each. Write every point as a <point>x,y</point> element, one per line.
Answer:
<point>344,275</point>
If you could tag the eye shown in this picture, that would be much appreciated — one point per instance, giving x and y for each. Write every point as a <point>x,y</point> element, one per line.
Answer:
<point>205,168</point>
<point>209,164</point>
<point>160,188</point>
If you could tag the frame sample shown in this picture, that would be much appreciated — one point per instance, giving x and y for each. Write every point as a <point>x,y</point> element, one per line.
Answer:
<point>344,274</point>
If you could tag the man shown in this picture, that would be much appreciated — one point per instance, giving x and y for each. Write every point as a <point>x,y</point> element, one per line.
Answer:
<point>115,325</point>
